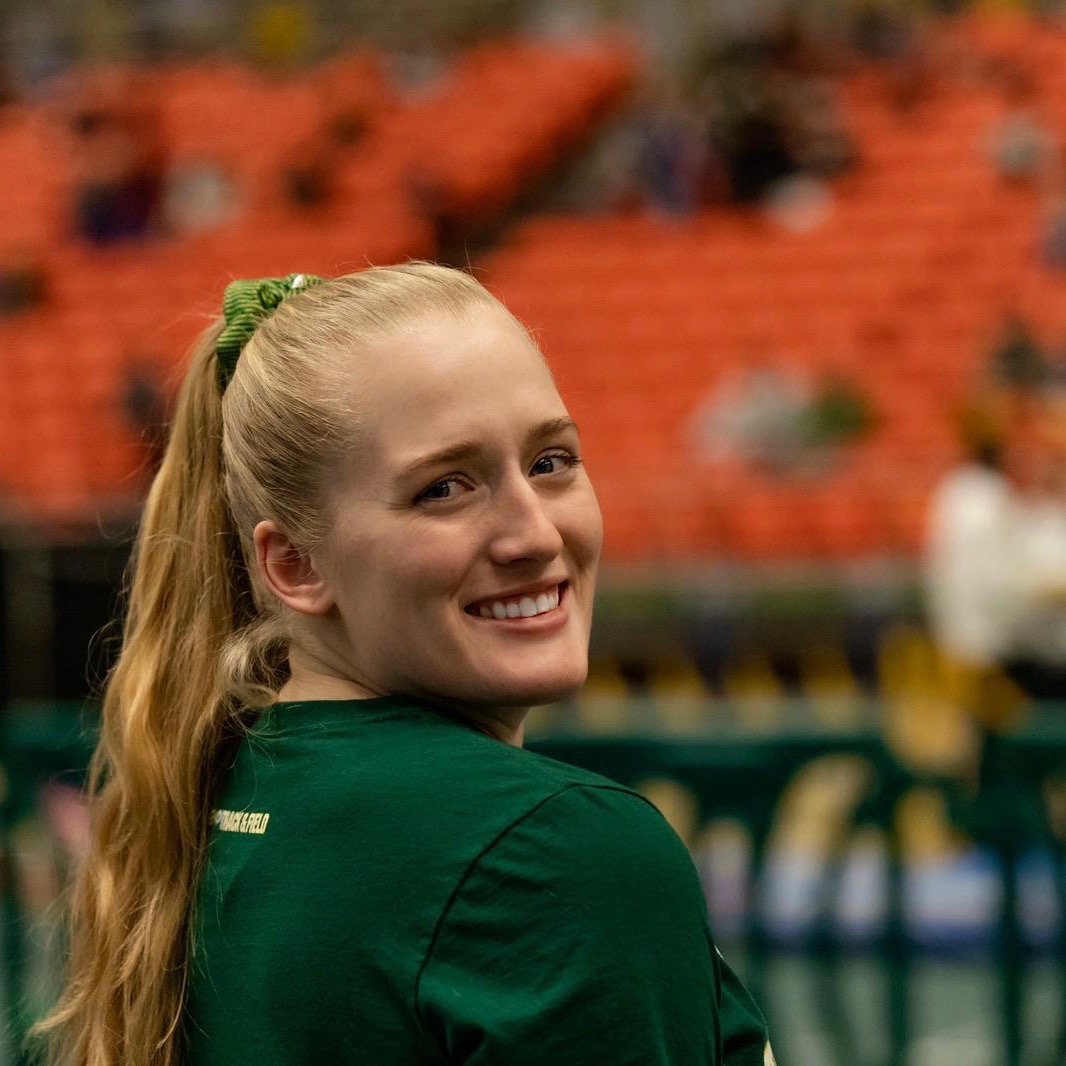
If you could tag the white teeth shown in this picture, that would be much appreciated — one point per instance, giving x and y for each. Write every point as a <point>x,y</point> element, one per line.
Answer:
<point>526,607</point>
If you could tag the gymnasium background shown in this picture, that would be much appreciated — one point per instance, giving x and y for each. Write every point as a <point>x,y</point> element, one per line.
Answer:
<point>800,271</point>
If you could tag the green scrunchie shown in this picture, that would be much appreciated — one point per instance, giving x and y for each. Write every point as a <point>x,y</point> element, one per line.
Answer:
<point>244,305</point>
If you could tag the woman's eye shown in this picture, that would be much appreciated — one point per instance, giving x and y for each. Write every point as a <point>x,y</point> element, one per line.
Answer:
<point>555,463</point>
<point>448,488</point>
<point>444,489</point>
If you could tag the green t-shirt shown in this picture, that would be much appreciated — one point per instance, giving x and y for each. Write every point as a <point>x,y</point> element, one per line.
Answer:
<point>387,886</point>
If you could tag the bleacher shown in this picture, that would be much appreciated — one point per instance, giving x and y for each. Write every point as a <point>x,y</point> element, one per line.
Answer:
<point>924,248</point>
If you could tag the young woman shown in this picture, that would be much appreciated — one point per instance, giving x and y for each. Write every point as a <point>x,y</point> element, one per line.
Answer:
<point>371,547</point>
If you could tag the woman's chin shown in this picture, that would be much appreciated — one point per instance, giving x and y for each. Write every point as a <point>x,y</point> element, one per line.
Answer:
<point>532,691</point>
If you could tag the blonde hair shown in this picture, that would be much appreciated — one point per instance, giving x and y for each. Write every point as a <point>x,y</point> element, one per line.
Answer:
<point>203,647</point>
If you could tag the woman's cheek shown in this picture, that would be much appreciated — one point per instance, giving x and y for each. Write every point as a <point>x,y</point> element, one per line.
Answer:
<point>583,529</point>
<point>432,559</point>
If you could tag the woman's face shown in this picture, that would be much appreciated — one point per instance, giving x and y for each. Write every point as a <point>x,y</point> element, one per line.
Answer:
<point>463,558</point>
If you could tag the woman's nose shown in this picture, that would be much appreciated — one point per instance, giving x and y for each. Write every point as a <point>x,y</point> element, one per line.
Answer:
<point>522,526</point>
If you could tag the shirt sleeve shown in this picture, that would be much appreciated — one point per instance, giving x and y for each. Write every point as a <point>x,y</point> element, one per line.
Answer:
<point>580,936</point>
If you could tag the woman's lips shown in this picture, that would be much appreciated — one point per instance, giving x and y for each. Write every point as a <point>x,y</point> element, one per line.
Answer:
<point>534,604</point>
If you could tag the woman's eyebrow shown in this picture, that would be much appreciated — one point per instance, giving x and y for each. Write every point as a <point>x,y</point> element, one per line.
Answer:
<point>551,428</point>
<point>467,449</point>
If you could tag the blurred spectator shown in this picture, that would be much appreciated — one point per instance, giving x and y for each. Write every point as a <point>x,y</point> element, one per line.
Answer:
<point>418,71</point>
<point>971,584</point>
<point>347,127</point>
<point>773,419</point>
<point>1038,654</point>
<point>310,178</point>
<point>970,545</point>
<point>198,195</point>
<point>891,31</point>
<point>799,203</point>
<point>309,182</point>
<point>753,133</point>
<point>818,139</point>
<point>23,283</point>
<point>121,165</point>
<point>744,21</point>
<point>996,559</point>
<point>672,160</point>
<point>840,413</point>
<point>1016,360</point>
<point>880,30</point>
<point>772,115</point>
<point>758,416</point>
<point>605,178</point>
<point>1021,146</point>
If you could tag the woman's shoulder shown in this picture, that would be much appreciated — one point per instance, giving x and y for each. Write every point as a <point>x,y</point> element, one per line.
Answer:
<point>412,762</point>
<point>590,822</point>
<point>581,792</point>
<point>505,778</point>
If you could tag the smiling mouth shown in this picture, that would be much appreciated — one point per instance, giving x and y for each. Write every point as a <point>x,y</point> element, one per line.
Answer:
<point>527,606</point>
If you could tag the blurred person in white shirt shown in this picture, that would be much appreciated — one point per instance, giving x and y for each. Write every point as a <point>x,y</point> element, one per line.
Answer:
<point>995,565</point>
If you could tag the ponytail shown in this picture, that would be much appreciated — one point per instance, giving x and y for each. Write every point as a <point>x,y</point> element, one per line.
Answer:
<point>170,715</point>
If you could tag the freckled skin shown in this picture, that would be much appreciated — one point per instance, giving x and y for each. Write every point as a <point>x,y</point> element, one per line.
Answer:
<point>409,553</point>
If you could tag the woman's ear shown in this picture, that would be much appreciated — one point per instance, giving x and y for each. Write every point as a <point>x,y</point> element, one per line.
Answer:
<point>289,572</point>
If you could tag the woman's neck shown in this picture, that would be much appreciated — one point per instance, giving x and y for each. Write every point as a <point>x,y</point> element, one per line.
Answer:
<point>323,687</point>
<point>308,681</point>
